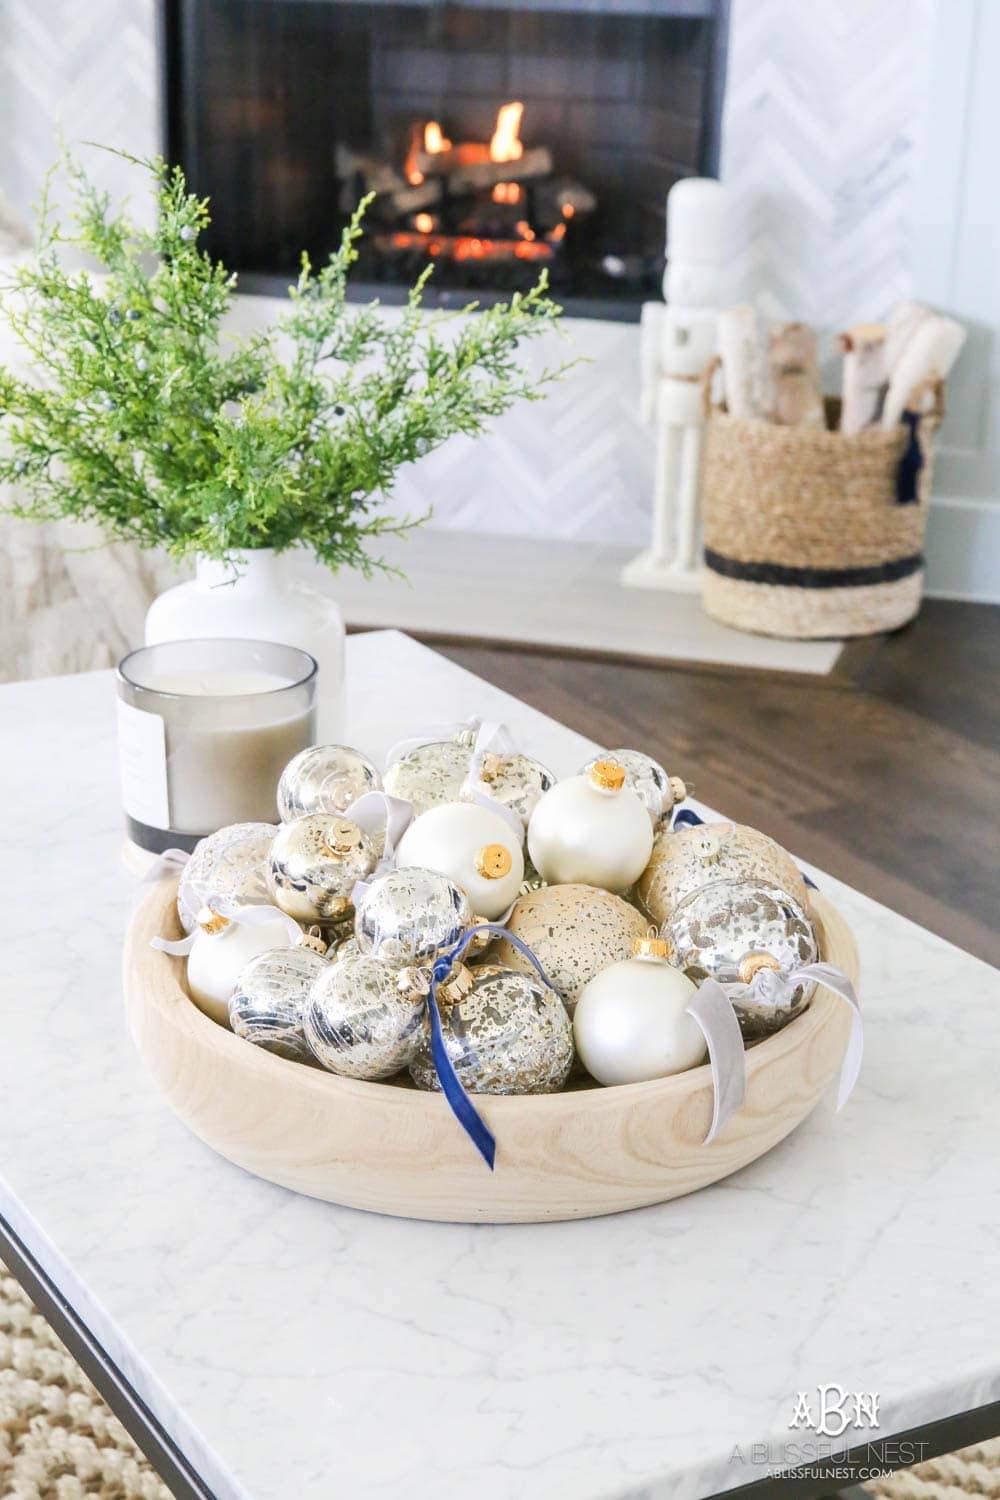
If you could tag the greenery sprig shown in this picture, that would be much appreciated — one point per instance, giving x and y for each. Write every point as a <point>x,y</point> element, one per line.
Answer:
<point>144,415</point>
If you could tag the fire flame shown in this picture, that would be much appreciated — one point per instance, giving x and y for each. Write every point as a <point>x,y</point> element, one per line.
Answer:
<point>505,144</point>
<point>424,222</point>
<point>411,171</point>
<point>434,140</point>
<point>507,192</point>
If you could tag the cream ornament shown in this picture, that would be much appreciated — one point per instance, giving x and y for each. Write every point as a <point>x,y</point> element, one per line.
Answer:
<point>592,830</point>
<point>631,1022</point>
<point>648,779</point>
<point>686,859</point>
<point>220,953</point>
<point>474,846</point>
<point>574,931</point>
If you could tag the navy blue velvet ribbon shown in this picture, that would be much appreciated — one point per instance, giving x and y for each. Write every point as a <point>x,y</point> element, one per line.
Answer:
<point>685,818</point>
<point>911,462</point>
<point>461,1105</point>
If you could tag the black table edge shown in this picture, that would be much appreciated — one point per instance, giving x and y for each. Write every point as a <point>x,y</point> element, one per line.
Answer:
<point>127,1405</point>
<point>942,1436</point>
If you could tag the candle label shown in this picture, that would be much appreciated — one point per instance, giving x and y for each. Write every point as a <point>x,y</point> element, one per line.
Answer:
<point>142,751</point>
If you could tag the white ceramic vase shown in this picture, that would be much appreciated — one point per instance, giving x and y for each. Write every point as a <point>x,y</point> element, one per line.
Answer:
<point>256,597</point>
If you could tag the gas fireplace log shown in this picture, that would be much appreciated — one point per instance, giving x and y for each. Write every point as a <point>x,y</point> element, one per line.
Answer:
<point>379,175</point>
<point>441,163</point>
<point>534,163</point>
<point>409,199</point>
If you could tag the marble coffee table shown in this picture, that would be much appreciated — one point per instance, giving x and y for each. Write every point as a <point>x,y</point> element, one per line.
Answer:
<point>269,1347</point>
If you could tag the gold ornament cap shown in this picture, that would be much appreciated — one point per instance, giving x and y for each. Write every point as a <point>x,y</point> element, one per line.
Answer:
<point>491,767</point>
<point>211,921</point>
<point>341,838</point>
<point>608,775</point>
<point>493,861</point>
<point>752,963</point>
<point>312,938</point>
<point>652,947</point>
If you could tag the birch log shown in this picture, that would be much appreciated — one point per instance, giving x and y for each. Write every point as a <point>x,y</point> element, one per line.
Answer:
<point>865,375</point>
<point>929,355</point>
<point>795,393</point>
<point>737,332</point>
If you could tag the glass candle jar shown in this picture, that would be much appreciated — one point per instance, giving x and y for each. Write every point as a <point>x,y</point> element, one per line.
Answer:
<point>205,729</point>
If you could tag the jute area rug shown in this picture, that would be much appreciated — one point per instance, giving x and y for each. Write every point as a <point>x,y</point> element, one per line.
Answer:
<point>58,1440</point>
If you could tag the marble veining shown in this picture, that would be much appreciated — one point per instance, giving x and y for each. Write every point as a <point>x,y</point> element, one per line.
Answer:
<point>628,1356</point>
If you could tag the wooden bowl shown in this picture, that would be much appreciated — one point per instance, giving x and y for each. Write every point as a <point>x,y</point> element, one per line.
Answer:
<point>393,1149</point>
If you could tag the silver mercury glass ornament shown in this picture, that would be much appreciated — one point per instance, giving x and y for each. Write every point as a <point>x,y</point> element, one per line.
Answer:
<point>230,863</point>
<point>506,1034</point>
<point>431,774</point>
<point>730,930</point>
<point>410,916</point>
<point>325,779</point>
<point>514,780</point>
<point>269,999</point>
<point>657,791</point>
<point>365,1017</point>
<point>314,865</point>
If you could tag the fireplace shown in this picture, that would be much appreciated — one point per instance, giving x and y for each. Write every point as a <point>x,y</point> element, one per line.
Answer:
<point>497,138</point>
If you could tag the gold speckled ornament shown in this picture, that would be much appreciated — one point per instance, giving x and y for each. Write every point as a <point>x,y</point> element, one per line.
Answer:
<point>574,931</point>
<point>430,774</point>
<point>688,858</point>
<point>514,780</point>
<point>507,1034</point>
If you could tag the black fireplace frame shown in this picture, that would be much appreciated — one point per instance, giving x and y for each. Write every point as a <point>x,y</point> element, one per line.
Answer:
<point>177,82</point>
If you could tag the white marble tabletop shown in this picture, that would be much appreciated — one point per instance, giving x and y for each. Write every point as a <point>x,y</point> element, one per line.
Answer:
<point>294,1349</point>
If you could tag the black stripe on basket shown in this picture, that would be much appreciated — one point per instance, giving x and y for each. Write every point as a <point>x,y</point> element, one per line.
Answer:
<point>813,578</point>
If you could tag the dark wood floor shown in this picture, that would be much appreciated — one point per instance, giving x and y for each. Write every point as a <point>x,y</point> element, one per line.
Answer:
<point>886,772</point>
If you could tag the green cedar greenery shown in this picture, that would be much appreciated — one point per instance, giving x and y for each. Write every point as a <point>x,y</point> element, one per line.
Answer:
<point>143,416</point>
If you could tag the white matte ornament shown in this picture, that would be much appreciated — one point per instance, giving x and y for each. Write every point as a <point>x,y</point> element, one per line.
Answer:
<point>475,847</point>
<point>631,1022</point>
<point>591,830</point>
<point>217,960</point>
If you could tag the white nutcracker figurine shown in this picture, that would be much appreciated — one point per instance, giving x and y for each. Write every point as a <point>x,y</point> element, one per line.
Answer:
<point>678,338</point>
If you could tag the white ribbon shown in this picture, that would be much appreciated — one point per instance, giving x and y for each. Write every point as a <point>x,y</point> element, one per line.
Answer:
<point>492,738</point>
<point>775,988</point>
<point>373,812</point>
<point>242,916</point>
<point>712,1009</point>
<point>430,734</point>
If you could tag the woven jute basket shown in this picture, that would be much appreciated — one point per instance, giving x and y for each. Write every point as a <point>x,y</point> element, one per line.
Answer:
<point>805,531</point>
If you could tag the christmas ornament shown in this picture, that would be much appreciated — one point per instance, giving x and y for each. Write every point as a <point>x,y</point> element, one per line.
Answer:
<point>325,779</point>
<point>657,791</point>
<point>687,858</point>
<point>222,949</point>
<point>591,829</point>
<point>229,864</point>
<point>508,1033</point>
<point>365,1017</point>
<point>631,1020</point>
<point>730,930</point>
<point>574,931</point>
<point>409,916</point>
<point>314,865</point>
<point>474,847</point>
<point>269,998</point>
<point>514,780</point>
<point>431,774</point>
